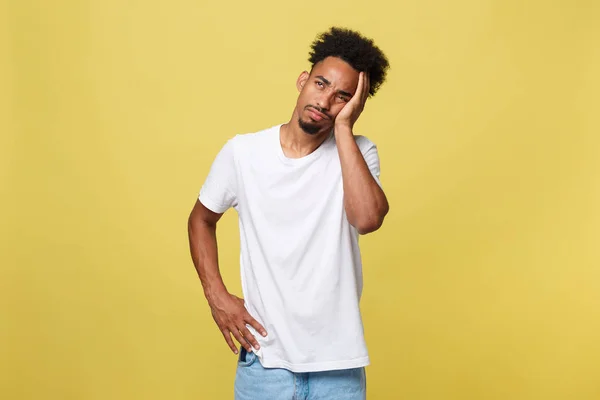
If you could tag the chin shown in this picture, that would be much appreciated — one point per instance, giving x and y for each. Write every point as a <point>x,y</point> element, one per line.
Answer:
<point>311,127</point>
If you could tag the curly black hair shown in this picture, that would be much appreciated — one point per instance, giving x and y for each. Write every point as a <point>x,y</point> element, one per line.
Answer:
<point>355,49</point>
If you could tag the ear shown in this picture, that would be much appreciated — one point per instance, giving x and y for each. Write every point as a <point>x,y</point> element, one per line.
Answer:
<point>302,79</point>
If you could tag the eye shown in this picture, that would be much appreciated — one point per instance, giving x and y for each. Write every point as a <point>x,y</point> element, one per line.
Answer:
<point>343,98</point>
<point>319,83</point>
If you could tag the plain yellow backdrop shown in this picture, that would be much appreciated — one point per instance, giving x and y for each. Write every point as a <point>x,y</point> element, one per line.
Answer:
<point>484,282</point>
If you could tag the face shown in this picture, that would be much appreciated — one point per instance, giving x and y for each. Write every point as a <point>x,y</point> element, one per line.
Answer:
<point>323,93</point>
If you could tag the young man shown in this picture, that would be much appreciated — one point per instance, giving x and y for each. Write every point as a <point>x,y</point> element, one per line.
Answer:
<point>304,191</point>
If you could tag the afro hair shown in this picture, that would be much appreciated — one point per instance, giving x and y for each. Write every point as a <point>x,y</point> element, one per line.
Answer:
<point>355,49</point>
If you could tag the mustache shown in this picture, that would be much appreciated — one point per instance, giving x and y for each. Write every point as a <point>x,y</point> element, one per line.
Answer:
<point>319,109</point>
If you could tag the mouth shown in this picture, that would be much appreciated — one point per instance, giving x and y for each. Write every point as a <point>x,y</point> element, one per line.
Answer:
<point>316,115</point>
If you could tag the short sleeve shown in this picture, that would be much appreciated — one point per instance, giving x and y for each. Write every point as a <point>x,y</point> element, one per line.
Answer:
<point>220,187</point>
<point>369,152</point>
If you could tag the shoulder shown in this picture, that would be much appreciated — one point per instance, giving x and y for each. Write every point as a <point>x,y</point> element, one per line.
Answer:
<point>247,141</point>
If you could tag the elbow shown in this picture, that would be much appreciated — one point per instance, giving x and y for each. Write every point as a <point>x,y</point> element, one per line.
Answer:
<point>368,226</point>
<point>372,222</point>
<point>369,219</point>
<point>190,227</point>
<point>191,221</point>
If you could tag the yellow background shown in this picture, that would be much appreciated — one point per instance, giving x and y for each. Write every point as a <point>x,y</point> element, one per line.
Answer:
<point>484,282</point>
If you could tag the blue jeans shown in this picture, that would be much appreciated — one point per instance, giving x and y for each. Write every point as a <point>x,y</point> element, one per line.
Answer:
<point>254,382</point>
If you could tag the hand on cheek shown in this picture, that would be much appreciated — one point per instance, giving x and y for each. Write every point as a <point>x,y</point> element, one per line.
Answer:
<point>348,116</point>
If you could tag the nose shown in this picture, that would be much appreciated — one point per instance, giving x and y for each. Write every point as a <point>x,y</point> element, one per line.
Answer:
<point>324,101</point>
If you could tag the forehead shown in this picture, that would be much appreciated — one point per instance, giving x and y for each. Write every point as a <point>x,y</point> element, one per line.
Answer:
<point>338,72</point>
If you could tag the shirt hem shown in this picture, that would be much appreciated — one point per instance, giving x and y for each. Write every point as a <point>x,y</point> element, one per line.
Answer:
<point>316,367</point>
<point>210,204</point>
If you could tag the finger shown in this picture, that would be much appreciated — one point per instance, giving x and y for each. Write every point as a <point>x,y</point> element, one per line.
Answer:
<point>236,333</point>
<point>256,325</point>
<point>250,338</point>
<point>360,87</point>
<point>227,337</point>
<point>367,83</point>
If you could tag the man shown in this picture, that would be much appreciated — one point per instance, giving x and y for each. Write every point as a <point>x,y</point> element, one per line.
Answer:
<point>304,191</point>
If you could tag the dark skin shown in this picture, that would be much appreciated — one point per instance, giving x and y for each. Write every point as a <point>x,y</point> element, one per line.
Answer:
<point>332,96</point>
<point>227,310</point>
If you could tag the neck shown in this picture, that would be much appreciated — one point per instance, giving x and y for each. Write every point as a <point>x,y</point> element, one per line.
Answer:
<point>296,143</point>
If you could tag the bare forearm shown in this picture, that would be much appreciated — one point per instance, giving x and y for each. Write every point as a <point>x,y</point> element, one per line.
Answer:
<point>203,249</point>
<point>364,201</point>
<point>227,310</point>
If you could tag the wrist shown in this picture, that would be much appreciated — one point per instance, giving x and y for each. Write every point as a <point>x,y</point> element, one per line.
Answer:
<point>215,292</point>
<point>341,128</point>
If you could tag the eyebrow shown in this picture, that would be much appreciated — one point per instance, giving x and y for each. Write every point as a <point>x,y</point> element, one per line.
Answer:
<point>325,81</point>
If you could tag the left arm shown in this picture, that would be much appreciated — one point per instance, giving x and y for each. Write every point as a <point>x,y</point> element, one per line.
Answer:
<point>364,201</point>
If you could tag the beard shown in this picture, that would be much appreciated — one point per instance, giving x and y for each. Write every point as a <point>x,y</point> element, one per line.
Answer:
<point>309,128</point>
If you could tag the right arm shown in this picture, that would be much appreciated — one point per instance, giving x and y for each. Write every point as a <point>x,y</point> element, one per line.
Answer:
<point>227,310</point>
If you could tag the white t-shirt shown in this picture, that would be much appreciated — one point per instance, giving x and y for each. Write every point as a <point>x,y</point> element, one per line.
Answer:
<point>300,261</point>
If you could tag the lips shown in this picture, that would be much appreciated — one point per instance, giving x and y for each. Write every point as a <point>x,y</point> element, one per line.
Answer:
<point>316,115</point>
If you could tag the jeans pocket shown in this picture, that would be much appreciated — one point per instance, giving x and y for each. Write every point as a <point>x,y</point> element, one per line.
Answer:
<point>246,359</point>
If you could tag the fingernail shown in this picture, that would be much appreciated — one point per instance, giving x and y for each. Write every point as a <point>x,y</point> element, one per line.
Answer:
<point>264,333</point>
<point>235,351</point>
